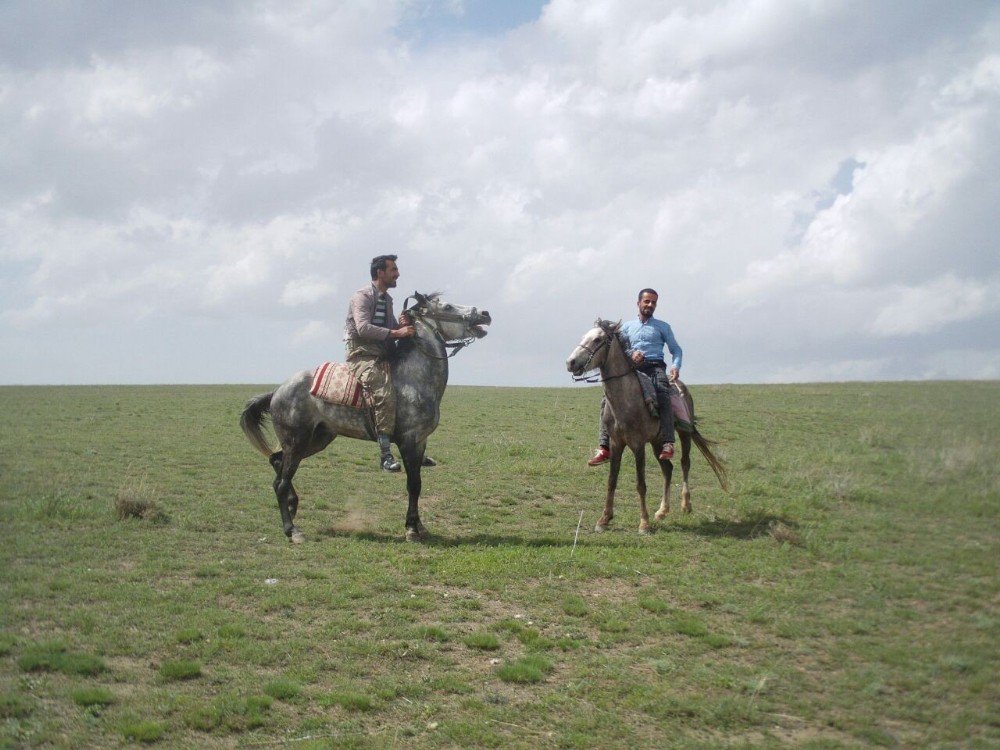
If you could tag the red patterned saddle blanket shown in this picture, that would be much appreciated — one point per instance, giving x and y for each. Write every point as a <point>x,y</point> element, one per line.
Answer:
<point>334,383</point>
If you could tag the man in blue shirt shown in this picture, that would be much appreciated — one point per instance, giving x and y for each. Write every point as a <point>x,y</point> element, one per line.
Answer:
<point>647,336</point>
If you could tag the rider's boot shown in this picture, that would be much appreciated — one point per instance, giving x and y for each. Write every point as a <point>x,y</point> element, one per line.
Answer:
<point>387,462</point>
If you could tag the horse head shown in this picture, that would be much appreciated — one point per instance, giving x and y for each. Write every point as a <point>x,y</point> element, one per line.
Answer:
<point>592,351</point>
<point>450,321</point>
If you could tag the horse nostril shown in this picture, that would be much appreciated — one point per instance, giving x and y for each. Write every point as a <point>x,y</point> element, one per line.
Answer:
<point>486,314</point>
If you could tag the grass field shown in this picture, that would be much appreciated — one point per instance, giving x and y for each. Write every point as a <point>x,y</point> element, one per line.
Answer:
<point>844,594</point>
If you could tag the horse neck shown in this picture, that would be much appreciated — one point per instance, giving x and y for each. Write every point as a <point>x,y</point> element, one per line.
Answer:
<point>425,361</point>
<point>620,384</point>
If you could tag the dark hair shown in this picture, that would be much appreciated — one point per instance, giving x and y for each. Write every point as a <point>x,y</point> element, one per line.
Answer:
<point>379,262</point>
<point>644,291</point>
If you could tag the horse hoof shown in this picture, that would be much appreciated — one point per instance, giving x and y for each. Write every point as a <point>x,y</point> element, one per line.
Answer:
<point>297,537</point>
<point>686,508</point>
<point>415,536</point>
<point>600,529</point>
<point>645,530</point>
<point>661,514</point>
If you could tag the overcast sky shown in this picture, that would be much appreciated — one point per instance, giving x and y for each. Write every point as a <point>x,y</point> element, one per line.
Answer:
<point>191,190</point>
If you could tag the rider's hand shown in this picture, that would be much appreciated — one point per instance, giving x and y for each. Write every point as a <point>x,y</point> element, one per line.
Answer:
<point>403,332</point>
<point>674,373</point>
<point>638,357</point>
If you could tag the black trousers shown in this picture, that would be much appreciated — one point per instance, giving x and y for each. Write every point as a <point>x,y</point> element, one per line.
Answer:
<point>657,372</point>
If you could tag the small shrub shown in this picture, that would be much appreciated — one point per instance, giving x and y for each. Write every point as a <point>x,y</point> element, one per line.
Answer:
<point>189,635</point>
<point>93,696</point>
<point>784,534</point>
<point>142,731</point>
<point>180,670</point>
<point>348,701</point>
<point>529,669</point>
<point>575,606</point>
<point>654,605</point>
<point>15,706</point>
<point>135,499</point>
<point>717,641</point>
<point>434,633</point>
<point>482,641</point>
<point>53,657</point>
<point>232,632</point>
<point>689,626</point>
<point>282,690</point>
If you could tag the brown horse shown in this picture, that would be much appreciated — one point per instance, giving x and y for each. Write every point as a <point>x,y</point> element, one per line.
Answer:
<point>630,424</point>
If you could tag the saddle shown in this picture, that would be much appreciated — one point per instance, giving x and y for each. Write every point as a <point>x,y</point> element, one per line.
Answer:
<point>683,418</point>
<point>334,383</point>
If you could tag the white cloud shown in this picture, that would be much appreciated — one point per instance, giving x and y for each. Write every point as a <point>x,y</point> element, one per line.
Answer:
<point>234,169</point>
<point>306,290</point>
<point>934,305</point>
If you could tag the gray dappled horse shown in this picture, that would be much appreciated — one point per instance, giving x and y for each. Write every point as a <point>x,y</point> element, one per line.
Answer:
<point>305,425</point>
<point>630,424</point>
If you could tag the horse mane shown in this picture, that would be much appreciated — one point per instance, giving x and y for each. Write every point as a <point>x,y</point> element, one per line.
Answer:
<point>429,296</point>
<point>613,328</point>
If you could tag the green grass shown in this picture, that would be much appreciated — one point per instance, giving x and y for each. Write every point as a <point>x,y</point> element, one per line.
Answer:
<point>93,696</point>
<point>844,594</point>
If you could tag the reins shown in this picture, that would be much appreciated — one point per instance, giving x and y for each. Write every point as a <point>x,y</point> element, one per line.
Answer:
<point>432,320</point>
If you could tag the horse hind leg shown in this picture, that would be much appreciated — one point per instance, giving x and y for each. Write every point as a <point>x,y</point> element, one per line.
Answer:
<point>668,471</point>
<point>640,488</point>
<point>288,500</point>
<point>685,468</point>
<point>276,460</point>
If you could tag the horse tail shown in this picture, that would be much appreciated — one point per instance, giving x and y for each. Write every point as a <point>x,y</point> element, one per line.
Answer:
<point>705,446</point>
<point>252,419</point>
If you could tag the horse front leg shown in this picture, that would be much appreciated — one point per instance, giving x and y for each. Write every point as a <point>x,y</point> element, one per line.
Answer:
<point>685,468</point>
<point>413,458</point>
<point>286,463</point>
<point>668,471</point>
<point>609,499</point>
<point>640,487</point>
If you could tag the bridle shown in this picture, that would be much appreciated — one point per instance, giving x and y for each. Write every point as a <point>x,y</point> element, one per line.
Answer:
<point>597,377</point>
<point>433,319</point>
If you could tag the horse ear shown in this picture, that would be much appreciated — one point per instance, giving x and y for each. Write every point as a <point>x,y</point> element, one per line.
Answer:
<point>421,299</point>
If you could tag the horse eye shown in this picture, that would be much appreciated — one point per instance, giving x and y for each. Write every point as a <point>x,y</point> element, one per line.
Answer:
<point>448,307</point>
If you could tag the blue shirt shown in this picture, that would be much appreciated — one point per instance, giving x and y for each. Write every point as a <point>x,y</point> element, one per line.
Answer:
<point>650,338</point>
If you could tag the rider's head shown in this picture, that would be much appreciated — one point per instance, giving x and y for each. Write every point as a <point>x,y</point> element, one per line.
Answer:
<point>647,303</point>
<point>383,269</point>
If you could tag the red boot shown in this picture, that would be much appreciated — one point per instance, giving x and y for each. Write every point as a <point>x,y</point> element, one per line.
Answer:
<point>668,452</point>
<point>602,455</point>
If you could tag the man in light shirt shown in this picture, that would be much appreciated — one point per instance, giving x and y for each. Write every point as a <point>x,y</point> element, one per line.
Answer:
<point>647,337</point>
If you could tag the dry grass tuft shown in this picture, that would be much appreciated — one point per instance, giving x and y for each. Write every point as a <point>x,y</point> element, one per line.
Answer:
<point>136,499</point>
<point>785,534</point>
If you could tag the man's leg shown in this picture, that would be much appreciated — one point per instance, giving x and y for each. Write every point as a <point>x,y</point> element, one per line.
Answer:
<point>662,383</point>
<point>603,452</point>
<point>374,376</point>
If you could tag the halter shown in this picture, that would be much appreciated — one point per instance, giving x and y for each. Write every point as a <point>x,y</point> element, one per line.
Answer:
<point>432,320</point>
<point>597,378</point>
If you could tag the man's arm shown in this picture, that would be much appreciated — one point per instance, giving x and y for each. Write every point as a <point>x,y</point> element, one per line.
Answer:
<point>676,352</point>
